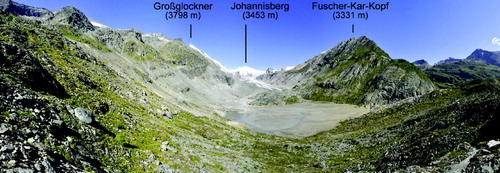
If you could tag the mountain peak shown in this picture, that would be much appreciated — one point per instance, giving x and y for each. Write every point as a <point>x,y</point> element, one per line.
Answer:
<point>362,41</point>
<point>353,44</point>
<point>488,57</point>
<point>354,48</point>
<point>355,71</point>
<point>422,64</point>
<point>23,10</point>
<point>74,17</point>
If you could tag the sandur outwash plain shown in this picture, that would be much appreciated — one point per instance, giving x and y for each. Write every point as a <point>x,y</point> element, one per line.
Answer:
<point>77,96</point>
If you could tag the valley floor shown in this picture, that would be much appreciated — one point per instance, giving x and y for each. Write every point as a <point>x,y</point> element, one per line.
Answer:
<point>296,120</point>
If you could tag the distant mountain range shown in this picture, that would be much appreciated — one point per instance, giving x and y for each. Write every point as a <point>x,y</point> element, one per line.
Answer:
<point>24,10</point>
<point>450,59</point>
<point>450,73</point>
<point>488,57</point>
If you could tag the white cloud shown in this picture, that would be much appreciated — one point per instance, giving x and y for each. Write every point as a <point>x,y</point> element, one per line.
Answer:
<point>495,41</point>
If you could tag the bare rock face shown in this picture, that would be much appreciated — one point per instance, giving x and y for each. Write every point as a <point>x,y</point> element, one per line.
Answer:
<point>422,64</point>
<point>24,10</point>
<point>488,57</point>
<point>73,17</point>
<point>395,83</point>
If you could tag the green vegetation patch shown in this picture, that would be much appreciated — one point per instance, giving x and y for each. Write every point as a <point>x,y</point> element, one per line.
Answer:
<point>76,35</point>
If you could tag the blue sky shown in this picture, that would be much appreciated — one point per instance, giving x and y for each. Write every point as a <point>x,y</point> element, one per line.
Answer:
<point>409,29</point>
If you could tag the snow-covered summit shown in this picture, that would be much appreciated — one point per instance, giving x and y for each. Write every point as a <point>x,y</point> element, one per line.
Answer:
<point>247,72</point>
<point>250,74</point>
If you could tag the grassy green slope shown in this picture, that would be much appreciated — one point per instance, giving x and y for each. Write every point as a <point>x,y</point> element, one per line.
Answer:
<point>450,75</point>
<point>417,133</point>
<point>131,132</point>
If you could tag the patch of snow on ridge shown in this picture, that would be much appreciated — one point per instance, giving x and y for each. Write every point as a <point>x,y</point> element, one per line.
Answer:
<point>250,74</point>
<point>158,36</point>
<point>287,68</point>
<point>97,24</point>
<point>224,69</point>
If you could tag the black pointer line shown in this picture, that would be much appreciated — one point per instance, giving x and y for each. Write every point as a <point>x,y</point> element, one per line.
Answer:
<point>245,43</point>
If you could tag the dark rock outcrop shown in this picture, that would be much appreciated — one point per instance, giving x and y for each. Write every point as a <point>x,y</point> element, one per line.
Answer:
<point>488,57</point>
<point>74,18</point>
<point>422,64</point>
<point>24,10</point>
<point>23,66</point>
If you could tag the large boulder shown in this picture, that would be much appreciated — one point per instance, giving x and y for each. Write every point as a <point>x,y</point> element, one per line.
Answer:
<point>83,115</point>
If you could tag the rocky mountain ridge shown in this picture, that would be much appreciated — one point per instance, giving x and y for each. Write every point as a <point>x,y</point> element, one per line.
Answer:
<point>488,57</point>
<point>24,10</point>
<point>450,73</point>
<point>73,17</point>
<point>422,64</point>
<point>355,71</point>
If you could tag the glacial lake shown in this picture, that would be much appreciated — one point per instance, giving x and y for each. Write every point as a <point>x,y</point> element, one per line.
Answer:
<point>296,120</point>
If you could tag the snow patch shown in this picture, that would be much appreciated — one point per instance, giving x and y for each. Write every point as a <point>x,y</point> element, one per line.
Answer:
<point>493,143</point>
<point>158,36</point>
<point>248,71</point>
<point>287,68</point>
<point>250,74</point>
<point>162,38</point>
<point>97,24</point>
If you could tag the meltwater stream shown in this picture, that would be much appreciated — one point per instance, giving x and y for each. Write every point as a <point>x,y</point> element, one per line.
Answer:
<point>296,120</point>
